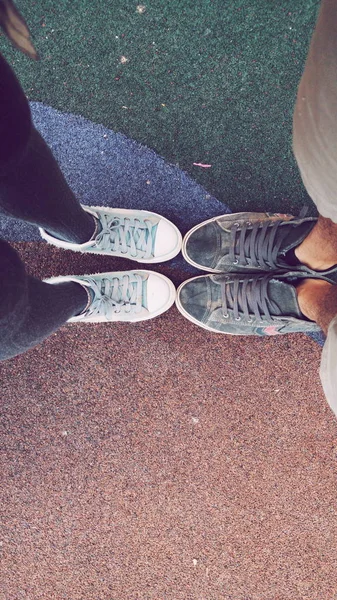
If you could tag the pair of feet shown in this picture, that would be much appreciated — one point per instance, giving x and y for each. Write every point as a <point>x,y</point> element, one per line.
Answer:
<point>258,281</point>
<point>128,296</point>
<point>268,274</point>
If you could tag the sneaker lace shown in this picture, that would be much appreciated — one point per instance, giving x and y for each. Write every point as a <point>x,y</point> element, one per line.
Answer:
<point>257,241</point>
<point>250,297</point>
<point>134,236</point>
<point>116,295</point>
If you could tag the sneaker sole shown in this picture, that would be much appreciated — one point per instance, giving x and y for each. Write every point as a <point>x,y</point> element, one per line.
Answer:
<point>125,319</point>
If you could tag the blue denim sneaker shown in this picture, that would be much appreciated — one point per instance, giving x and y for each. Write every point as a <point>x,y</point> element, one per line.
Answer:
<point>138,235</point>
<point>250,243</point>
<point>245,304</point>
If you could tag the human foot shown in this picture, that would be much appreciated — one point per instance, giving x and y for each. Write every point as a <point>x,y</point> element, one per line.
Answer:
<point>317,300</point>
<point>318,250</point>
<point>262,242</point>
<point>138,235</point>
<point>128,296</point>
<point>246,304</point>
<point>245,242</point>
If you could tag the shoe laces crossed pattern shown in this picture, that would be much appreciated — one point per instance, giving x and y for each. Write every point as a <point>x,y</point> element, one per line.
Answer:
<point>250,297</point>
<point>122,294</point>
<point>256,241</point>
<point>132,236</point>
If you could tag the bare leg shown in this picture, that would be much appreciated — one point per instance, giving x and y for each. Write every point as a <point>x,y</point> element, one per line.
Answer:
<point>319,249</point>
<point>318,301</point>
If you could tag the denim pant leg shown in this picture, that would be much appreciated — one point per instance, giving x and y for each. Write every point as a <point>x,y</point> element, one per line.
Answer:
<point>32,186</point>
<point>33,189</point>
<point>30,309</point>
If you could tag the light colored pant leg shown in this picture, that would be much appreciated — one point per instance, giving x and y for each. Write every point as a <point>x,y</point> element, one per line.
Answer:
<point>315,149</point>
<point>328,370</point>
<point>315,115</point>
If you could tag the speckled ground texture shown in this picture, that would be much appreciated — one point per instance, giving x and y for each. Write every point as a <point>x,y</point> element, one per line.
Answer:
<point>159,461</point>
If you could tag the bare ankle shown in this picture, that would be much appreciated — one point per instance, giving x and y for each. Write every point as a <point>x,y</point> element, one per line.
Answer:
<point>318,250</point>
<point>317,300</point>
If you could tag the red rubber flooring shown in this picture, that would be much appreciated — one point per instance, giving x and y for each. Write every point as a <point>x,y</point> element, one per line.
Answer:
<point>158,461</point>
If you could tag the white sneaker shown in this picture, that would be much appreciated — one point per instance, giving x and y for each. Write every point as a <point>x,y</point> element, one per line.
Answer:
<point>135,234</point>
<point>128,296</point>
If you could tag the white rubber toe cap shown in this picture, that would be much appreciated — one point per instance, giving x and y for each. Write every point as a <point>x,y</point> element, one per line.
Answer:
<point>168,240</point>
<point>160,293</point>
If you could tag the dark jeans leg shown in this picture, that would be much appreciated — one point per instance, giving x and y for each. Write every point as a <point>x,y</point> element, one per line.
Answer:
<point>32,187</point>
<point>30,310</point>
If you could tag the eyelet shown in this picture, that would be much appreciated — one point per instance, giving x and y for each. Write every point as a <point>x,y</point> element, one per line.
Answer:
<point>235,262</point>
<point>248,224</point>
<point>249,320</point>
<point>237,318</point>
<point>236,225</point>
<point>225,316</point>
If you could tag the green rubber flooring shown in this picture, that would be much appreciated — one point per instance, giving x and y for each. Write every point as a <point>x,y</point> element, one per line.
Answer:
<point>207,81</point>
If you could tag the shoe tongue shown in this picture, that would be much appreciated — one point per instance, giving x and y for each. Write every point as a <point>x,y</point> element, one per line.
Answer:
<point>284,299</point>
<point>295,235</point>
<point>291,259</point>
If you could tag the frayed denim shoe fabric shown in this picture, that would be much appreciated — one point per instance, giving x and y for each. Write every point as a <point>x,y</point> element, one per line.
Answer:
<point>139,235</point>
<point>244,304</point>
<point>249,243</point>
<point>127,296</point>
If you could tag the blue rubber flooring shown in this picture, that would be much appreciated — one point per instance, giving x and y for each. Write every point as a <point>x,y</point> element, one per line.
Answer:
<point>105,168</point>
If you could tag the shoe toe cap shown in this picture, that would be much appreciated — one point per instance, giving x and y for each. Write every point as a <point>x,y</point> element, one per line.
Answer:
<point>160,293</point>
<point>168,240</point>
<point>194,298</point>
<point>202,245</point>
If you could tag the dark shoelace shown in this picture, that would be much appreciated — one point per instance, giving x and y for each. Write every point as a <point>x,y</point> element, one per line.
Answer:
<point>248,296</point>
<point>256,241</point>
